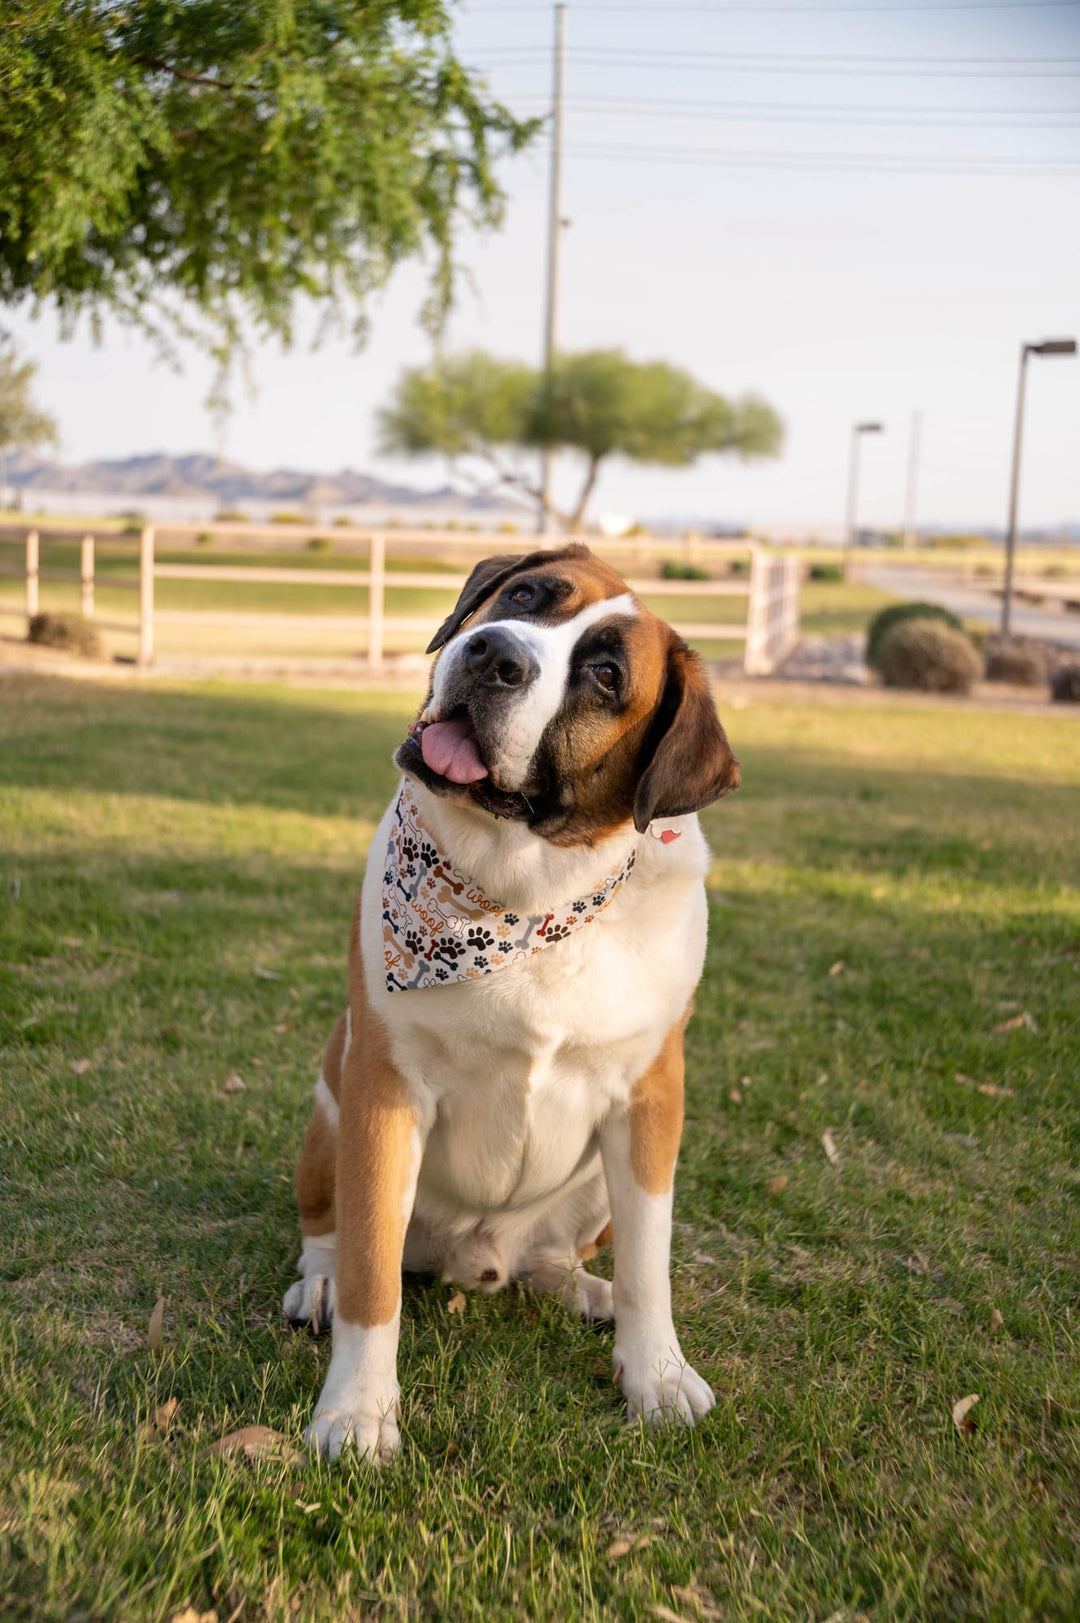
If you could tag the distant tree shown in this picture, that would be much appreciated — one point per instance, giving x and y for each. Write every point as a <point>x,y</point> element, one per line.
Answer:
<point>23,425</point>
<point>475,411</point>
<point>195,167</point>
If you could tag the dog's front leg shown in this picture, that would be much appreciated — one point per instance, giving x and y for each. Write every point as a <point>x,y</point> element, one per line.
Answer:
<point>380,1144</point>
<point>639,1148</point>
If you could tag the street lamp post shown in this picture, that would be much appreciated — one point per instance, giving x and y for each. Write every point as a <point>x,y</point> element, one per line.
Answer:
<point>857,431</point>
<point>1050,346</point>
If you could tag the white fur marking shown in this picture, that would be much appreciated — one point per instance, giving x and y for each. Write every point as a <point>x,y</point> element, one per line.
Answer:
<point>552,648</point>
<point>326,1099</point>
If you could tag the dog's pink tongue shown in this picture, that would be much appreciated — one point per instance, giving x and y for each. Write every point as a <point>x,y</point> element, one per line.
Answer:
<point>449,748</point>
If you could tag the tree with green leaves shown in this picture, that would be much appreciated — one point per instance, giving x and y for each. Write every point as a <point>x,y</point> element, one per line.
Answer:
<point>197,167</point>
<point>23,425</point>
<point>482,414</point>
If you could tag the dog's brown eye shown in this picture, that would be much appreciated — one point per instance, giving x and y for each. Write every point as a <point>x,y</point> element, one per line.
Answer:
<point>523,594</point>
<point>607,676</point>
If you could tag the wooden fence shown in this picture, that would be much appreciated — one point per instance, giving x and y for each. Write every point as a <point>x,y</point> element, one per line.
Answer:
<point>770,585</point>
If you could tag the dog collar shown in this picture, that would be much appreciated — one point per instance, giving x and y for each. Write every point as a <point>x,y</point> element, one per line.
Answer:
<point>438,925</point>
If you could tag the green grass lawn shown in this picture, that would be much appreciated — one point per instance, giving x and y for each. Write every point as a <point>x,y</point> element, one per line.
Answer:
<point>895,881</point>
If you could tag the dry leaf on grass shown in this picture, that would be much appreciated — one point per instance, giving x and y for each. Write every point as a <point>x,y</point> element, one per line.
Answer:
<point>233,1084</point>
<point>165,1415</point>
<point>829,1146</point>
<point>993,1091</point>
<point>628,1543</point>
<point>961,1409</point>
<point>456,1304</point>
<point>79,1067</point>
<point>837,968</point>
<point>155,1329</point>
<point>190,1615</point>
<point>777,1185</point>
<point>262,974</point>
<point>282,1027</point>
<point>1019,1022</point>
<point>700,1599</point>
<point>968,1140</point>
<point>256,1443</point>
<point>996,1319</point>
<point>735,1096</point>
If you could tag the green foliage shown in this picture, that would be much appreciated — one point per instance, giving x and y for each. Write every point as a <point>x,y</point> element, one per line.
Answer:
<point>161,160</point>
<point>599,403</point>
<point>231,515</point>
<point>204,539</point>
<point>320,543</point>
<point>673,569</point>
<point>68,632</point>
<point>927,655</point>
<point>22,424</point>
<point>893,614</point>
<point>833,573</point>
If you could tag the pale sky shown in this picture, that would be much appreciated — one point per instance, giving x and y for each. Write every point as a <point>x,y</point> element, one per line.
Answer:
<point>839,295</point>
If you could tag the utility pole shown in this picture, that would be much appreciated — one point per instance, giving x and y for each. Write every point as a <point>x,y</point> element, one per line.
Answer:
<point>554,229</point>
<point>851,524</point>
<point>911,496</point>
<point>1049,346</point>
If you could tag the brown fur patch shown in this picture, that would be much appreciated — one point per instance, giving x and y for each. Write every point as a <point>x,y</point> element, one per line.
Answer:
<point>656,1115</point>
<point>374,1164</point>
<point>315,1172</point>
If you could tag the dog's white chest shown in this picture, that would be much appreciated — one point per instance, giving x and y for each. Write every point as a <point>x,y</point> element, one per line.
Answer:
<point>518,1069</point>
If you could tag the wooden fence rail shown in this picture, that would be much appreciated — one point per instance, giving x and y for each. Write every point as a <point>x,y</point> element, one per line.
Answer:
<point>771,586</point>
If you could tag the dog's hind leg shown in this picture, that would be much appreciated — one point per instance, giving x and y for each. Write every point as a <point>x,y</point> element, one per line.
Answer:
<point>312,1299</point>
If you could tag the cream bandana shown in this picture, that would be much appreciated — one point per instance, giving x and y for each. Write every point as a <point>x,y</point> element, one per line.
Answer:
<point>438,926</point>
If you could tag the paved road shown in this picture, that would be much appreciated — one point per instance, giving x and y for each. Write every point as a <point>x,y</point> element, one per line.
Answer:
<point>973,604</point>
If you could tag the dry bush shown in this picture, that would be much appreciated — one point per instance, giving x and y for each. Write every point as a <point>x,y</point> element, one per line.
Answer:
<point>1065,684</point>
<point>929,656</point>
<point>68,632</point>
<point>1023,667</point>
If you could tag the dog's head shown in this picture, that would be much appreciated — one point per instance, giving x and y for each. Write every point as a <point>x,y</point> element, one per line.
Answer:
<point>557,698</point>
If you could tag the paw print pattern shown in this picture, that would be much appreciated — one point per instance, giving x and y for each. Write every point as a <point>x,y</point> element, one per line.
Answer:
<point>438,927</point>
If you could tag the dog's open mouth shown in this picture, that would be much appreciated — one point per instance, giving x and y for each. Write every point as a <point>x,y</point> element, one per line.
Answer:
<point>449,750</point>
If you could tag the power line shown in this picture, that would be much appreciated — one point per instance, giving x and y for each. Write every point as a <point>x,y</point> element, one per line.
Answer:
<point>802,11</point>
<point>883,164</point>
<point>852,68</point>
<point>618,52</point>
<point>1030,118</point>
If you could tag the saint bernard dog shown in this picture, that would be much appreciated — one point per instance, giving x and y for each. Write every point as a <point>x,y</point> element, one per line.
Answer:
<point>503,1093</point>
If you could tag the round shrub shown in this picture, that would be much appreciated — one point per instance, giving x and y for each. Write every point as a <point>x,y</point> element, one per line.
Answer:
<point>1023,667</point>
<point>68,632</point>
<point>897,612</point>
<point>1065,684</point>
<point>319,543</point>
<point>927,655</point>
<point>826,572</point>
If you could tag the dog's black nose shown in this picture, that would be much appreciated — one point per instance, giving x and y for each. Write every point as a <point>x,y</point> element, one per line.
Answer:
<point>497,659</point>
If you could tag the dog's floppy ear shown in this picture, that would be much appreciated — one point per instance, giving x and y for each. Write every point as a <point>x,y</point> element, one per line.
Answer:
<point>485,578</point>
<point>687,759</point>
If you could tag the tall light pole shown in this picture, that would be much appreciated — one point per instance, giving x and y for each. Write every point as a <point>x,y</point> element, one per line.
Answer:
<point>1049,346</point>
<point>912,493</point>
<point>857,432</point>
<point>554,229</point>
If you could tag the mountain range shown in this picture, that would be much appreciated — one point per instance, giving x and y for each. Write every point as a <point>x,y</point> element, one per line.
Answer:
<point>201,477</point>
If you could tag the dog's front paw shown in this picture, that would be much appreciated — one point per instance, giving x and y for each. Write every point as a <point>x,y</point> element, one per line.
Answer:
<point>660,1386</point>
<point>311,1301</point>
<point>374,1435</point>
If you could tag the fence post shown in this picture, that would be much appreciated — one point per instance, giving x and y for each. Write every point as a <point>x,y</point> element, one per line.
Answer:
<point>86,577</point>
<point>376,600</point>
<point>31,574</point>
<point>755,608</point>
<point>146,596</point>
